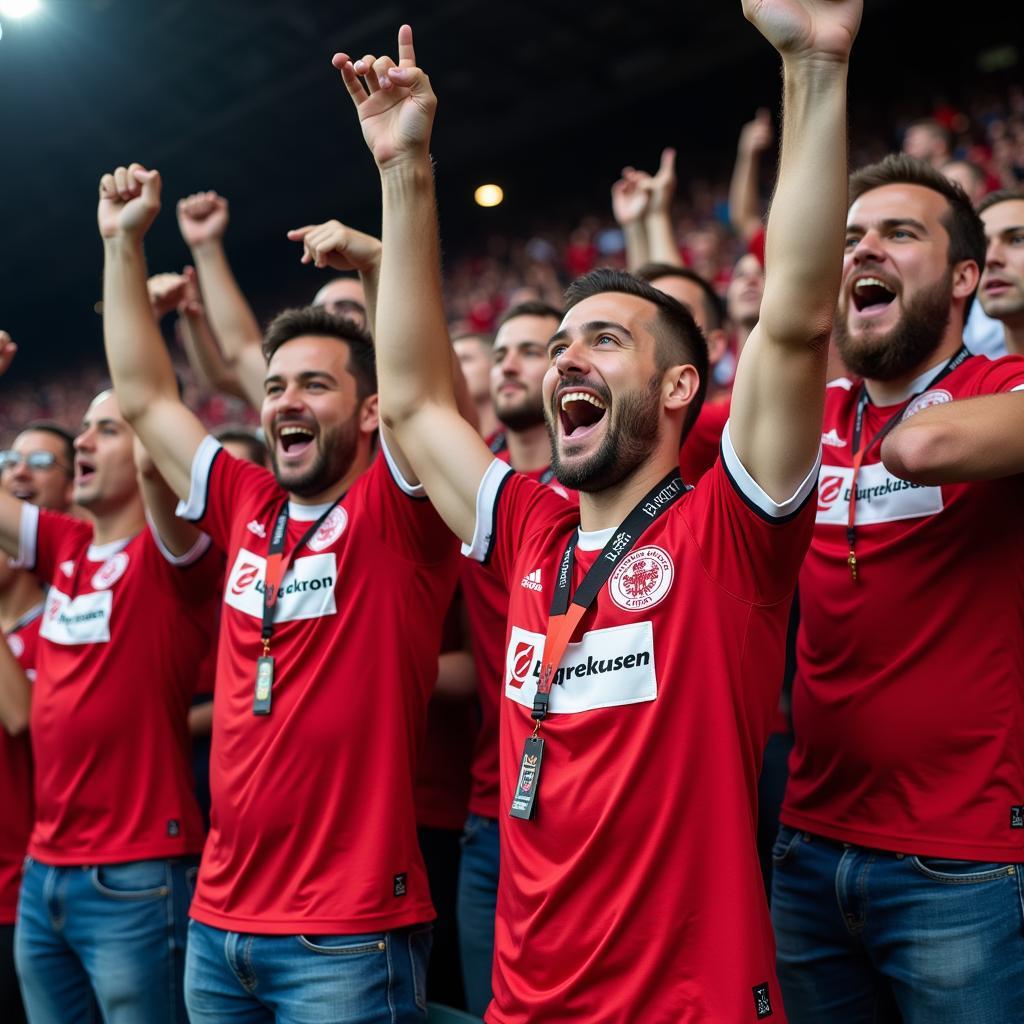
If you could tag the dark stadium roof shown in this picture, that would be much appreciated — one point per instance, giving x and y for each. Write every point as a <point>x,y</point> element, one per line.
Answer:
<point>548,98</point>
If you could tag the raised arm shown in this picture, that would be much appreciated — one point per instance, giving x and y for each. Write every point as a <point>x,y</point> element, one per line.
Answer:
<point>414,363</point>
<point>629,204</point>
<point>972,439</point>
<point>10,507</point>
<point>661,237</point>
<point>744,190</point>
<point>203,220</point>
<point>201,347</point>
<point>778,398</point>
<point>333,244</point>
<point>140,367</point>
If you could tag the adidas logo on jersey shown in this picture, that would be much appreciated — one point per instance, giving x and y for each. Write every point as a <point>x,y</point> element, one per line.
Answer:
<point>532,581</point>
<point>832,439</point>
<point>257,528</point>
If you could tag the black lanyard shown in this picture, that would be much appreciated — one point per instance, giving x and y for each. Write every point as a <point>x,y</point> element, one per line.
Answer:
<point>880,435</point>
<point>277,567</point>
<point>567,610</point>
<point>565,613</point>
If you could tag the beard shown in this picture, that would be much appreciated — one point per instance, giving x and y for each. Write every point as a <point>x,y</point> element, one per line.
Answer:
<point>524,414</point>
<point>627,443</point>
<point>335,453</point>
<point>908,343</point>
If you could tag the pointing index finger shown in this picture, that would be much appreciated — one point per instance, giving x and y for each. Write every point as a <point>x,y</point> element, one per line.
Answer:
<point>406,50</point>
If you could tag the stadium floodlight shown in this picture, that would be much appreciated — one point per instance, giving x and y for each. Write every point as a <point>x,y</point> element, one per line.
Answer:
<point>489,195</point>
<point>18,8</point>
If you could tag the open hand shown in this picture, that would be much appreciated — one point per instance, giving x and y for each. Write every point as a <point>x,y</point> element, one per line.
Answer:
<point>333,244</point>
<point>630,196</point>
<point>807,28</point>
<point>395,106</point>
<point>129,201</point>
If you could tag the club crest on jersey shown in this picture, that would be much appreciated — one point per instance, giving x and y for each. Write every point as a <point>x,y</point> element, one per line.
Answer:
<point>937,396</point>
<point>110,571</point>
<point>330,530</point>
<point>642,580</point>
<point>16,644</point>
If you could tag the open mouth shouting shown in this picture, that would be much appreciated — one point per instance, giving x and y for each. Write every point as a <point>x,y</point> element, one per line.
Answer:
<point>580,412</point>
<point>871,295</point>
<point>293,441</point>
<point>85,471</point>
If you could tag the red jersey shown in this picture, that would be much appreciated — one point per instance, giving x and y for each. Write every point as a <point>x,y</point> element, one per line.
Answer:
<point>653,745</point>
<point>487,613</point>
<point>442,776</point>
<point>908,703</point>
<point>700,449</point>
<point>312,828</point>
<point>123,628</point>
<point>16,776</point>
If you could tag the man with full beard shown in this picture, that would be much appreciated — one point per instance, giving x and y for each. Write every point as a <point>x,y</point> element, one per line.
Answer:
<point>312,890</point>
<point>896,890</point>
<point>644,640</point>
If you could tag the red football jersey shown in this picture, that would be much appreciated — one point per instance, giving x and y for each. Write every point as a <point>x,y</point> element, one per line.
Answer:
<point>700,449</point>
<point>123,628</point>
<point>908,703</point>
<point>442,776</point>
<point>16,776</point>
<point>653,745</point>
<point>486,596</point>
<point>312,828</point>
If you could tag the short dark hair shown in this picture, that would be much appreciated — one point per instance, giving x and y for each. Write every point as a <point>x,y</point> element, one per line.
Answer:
<point>58,430</point>
<point>482,336</point>
<point>714,307</point>
<point>1004,195</point>
<point>679,339</point>
<point>962,223</point>
<point>316,320</point>
<point>532,307</point>
<point>244,435</point>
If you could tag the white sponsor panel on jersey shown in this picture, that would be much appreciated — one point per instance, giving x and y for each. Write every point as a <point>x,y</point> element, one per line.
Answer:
<point>607,668</point>
<point>307,590</point>
<point>881,497</point>
<point>81,620</point>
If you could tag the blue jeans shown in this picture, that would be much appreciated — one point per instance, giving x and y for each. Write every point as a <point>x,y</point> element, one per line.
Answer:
<point>864,936</point>
<point>106,940</point>
<point>380,978</point>
<point>477,899</point>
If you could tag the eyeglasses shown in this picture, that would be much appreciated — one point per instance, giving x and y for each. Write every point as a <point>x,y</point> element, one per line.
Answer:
<point>9,459</point>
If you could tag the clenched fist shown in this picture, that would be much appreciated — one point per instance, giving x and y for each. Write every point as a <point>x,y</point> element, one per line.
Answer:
<point>129,201</point>
<point>202,217</point>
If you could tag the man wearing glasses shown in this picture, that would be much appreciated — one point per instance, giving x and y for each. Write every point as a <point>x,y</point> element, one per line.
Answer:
<point>39,466</point>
